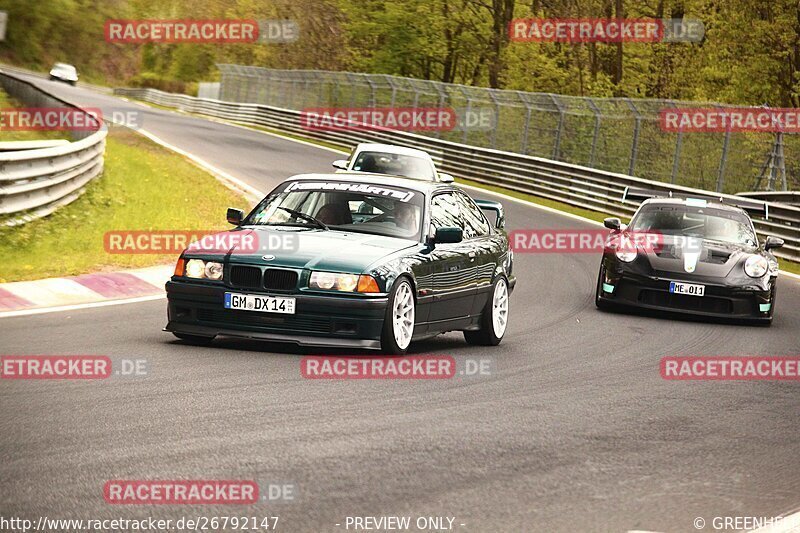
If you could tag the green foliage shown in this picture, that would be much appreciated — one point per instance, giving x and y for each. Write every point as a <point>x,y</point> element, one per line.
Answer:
<point>750,55</point>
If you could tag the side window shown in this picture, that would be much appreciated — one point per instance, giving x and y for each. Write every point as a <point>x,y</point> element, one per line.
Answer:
<point>475,224</point>
<point>444,211</point>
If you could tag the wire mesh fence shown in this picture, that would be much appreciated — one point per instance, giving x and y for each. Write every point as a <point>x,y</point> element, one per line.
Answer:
<point>620,135</point>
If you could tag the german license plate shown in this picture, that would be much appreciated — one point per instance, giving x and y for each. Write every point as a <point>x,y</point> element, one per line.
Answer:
<point>686,288</point>
<point>257,302</point>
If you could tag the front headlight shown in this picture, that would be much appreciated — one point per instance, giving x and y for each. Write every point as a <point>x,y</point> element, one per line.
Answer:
<point>199,269</point>
<point>333,281</point>
<point>756,266</point>
<point>626,250</point>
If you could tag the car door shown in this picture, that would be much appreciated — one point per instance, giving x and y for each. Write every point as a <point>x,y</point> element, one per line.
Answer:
<point>481,249</point>
<point>453,269</point>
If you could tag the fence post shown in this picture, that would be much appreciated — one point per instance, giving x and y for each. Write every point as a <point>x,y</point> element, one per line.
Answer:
<point>596,132</point>
<point>635,144</point>
<point>557,143</point>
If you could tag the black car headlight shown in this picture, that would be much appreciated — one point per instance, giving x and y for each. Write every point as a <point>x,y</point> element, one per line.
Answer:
<point>756,266</point>
<point>626,250</point>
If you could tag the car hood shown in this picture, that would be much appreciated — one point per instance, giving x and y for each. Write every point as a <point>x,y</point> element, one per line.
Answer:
<point>700,257</point>
<point>332,250</point>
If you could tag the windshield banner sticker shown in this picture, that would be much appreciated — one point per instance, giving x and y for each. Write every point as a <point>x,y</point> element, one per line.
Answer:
<point>403,196</point>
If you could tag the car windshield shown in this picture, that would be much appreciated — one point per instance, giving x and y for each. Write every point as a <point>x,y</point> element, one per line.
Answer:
<point>354,207</point>
<point>395,164</point>
<point>705,223</point>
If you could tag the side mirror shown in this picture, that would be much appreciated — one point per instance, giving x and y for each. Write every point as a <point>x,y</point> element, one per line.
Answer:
<point>612,223</point>
<point>446,178</point>
<point>491,206</point>
<point>235,216</point>
<point>773,242</point>
<point>448,235</point>
<point>340,164</point>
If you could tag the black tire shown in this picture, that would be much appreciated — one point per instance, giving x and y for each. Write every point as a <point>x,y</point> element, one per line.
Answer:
<point>196,340</point>
<point>486,336</point>
<point>73,83</point>
<point>599,302</point>
<point>389,344</point>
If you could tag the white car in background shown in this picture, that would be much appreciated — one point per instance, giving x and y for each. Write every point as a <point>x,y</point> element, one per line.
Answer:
<point>394,160</point>
<point>64,72</point>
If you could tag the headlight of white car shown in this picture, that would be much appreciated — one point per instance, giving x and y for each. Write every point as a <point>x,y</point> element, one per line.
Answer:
<point>756,266</point>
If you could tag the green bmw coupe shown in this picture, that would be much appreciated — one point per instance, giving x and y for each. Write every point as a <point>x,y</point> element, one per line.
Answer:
<point>349,260</point>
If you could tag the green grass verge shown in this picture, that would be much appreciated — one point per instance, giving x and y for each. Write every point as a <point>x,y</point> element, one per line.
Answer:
<point>10,135</point>
<point>143,187</point>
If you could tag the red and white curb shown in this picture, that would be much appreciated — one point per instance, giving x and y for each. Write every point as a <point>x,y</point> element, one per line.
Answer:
<point>87,290</point>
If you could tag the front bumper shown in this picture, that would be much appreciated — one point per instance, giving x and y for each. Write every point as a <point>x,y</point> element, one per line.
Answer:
<point>719,301</point>
<point>332,321</point>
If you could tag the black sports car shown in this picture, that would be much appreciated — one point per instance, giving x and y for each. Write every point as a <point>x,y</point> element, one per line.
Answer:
<point>690,255</point>
<point>373,262</point>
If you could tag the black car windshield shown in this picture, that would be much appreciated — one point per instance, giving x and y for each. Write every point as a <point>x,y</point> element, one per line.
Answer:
<point>703,222</point>
<point>355,207</point>
<point>395,164</point>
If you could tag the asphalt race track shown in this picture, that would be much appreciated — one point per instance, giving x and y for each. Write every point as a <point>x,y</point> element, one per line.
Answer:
<point>574,430</point>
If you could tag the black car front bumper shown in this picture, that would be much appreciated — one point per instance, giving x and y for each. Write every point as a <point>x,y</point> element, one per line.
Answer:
<point>331,321</point>
<point>720,301</point>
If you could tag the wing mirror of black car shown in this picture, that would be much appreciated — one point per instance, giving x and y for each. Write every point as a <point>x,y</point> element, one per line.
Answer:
<point>448,235</point>
<point>446,178</point>
<point>340,164</point>
<point>496,208</point>
<point>773,242</point>
<point>613,223</point>
<point>235,216</point>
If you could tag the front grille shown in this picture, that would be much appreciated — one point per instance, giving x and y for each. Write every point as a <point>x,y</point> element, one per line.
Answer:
<point>706,304</point>
<point>280,280</point>
<point>276,322</point>
<point>246,277</point>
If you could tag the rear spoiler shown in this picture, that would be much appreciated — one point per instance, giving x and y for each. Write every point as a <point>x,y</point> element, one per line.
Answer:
<point>752,206</point>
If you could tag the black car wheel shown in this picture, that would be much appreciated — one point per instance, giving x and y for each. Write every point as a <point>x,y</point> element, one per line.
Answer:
<point>194,339</point>
<point>398,324</point>
<point>494,318</point>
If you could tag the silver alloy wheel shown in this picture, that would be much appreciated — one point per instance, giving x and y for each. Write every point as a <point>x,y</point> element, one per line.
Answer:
<point>500,308</point>
<point>403,316</point>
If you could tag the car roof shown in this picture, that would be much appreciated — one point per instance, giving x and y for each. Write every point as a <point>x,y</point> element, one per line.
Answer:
<point>423,186</point>
<point>64,65</point>
<point>683,201</point>
<point>392,149</point>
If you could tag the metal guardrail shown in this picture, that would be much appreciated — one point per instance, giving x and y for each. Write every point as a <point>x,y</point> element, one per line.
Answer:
<point>36,182</point>
<point>42,75</point>
<point>787,197</point>
<point>579,186</point>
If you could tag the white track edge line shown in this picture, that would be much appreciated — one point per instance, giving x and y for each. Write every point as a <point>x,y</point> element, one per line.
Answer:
<point>76,307</point>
